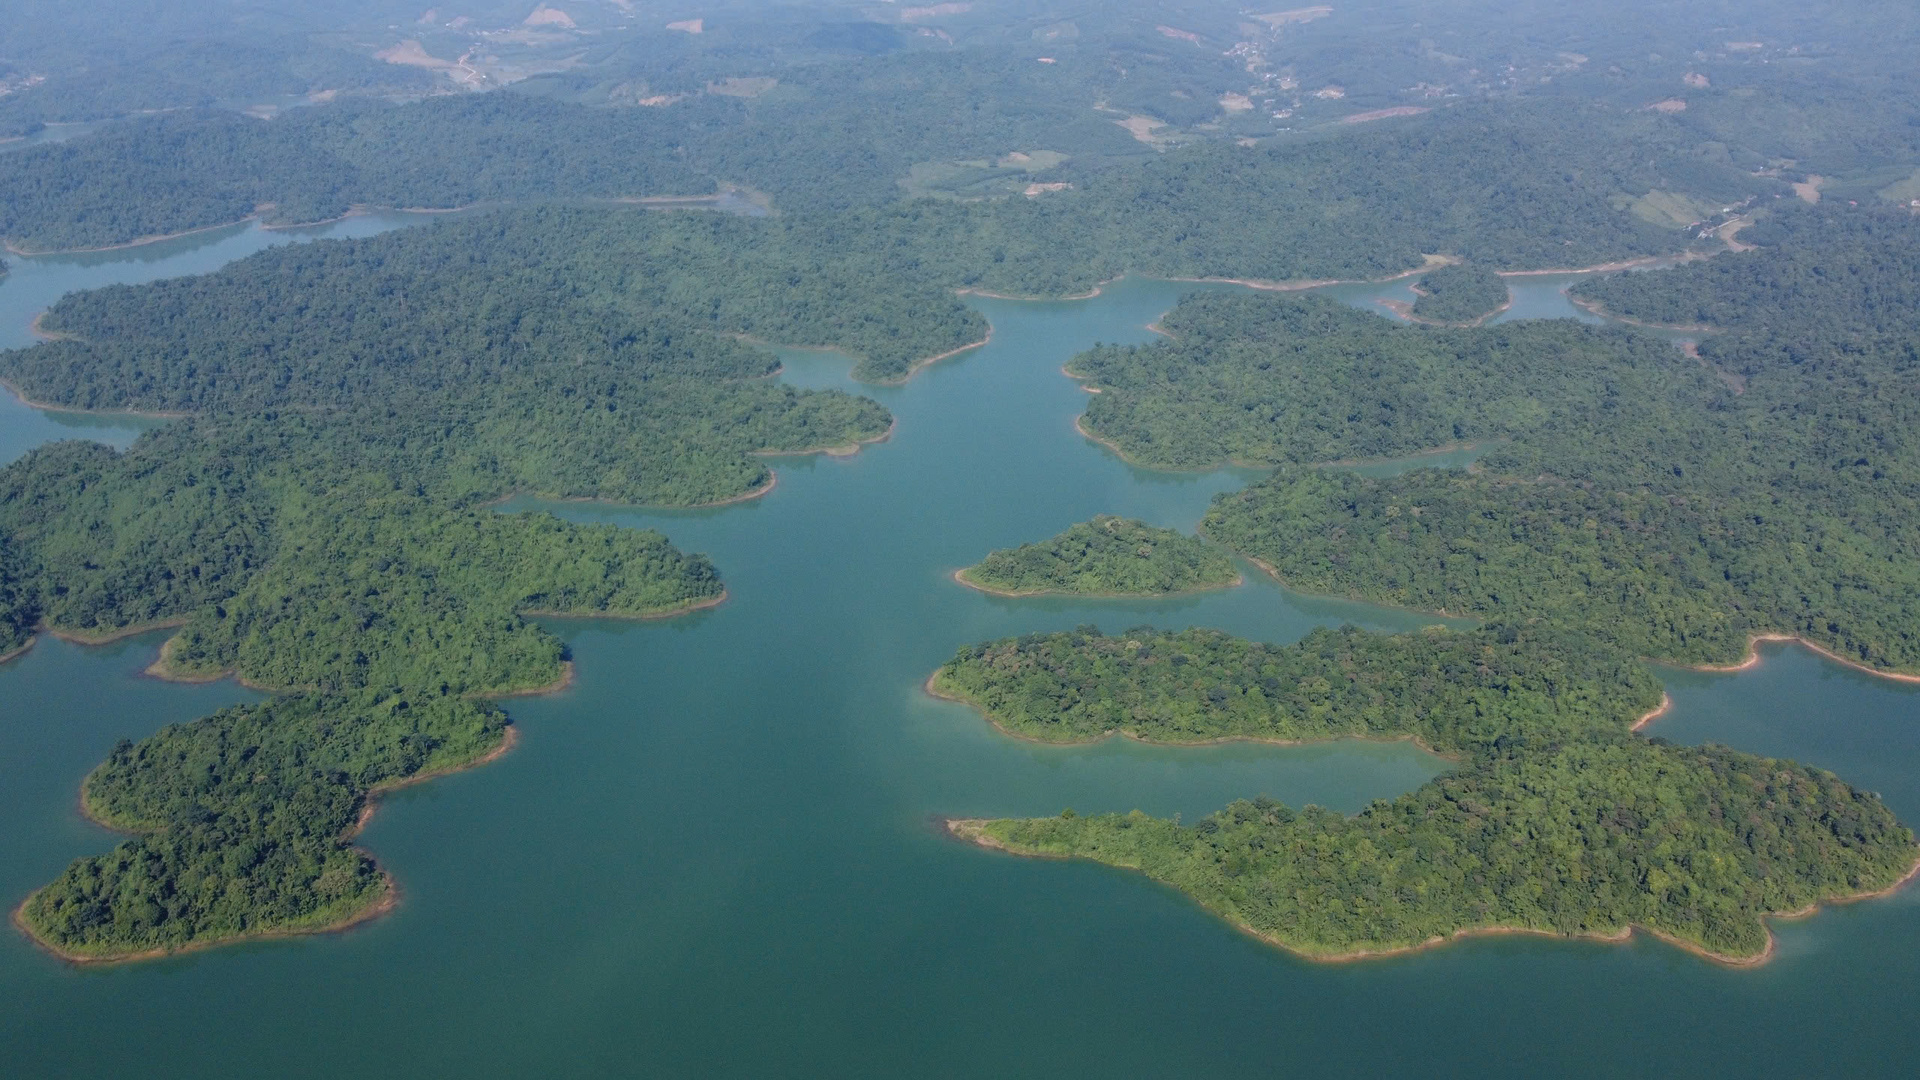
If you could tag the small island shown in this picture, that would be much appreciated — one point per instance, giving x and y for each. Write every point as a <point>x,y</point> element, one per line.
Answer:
<point>1559,819</point>
<point>1108,556</point>
<point>1462,294</point>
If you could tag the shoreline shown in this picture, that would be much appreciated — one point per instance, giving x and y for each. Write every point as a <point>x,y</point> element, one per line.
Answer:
<point>35,329</point>
<point>704,604</point>
<point>1607,267</point>
<point>1239,579</point>
<point>920,365</point>
<point>773,481</point>
<point>1752,659</point>
<point>1433,262</point>
<point>840,450</point>
<point>162,669</point>
<point>1405,311</point>
<point>1097,289</point>
<point>973,831</point>
<point>385,901</point>
<point>564,681</point>
<point>1666,704</point>
<point>43,406</point>
<point>108,637</point>
<point>134,243</point>
<point>22,650</point>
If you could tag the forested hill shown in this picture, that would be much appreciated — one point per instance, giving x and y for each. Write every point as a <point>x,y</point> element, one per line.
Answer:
<point>1507,184</point>
<point>1673,523</point>
<point>1556,820</point>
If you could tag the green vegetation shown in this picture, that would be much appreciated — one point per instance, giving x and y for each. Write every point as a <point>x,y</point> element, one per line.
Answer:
<point>1106,556</point>
<point>245,819</point>
<point>1558,819</point>
<point>1460,293</point>
<point>478,300</point>
<point>1297,379</point>
<point>319,524</point>
<point>1509,185</point>
<point>1669,507</point>
<point>210,167</point>
<point>1456,692</point>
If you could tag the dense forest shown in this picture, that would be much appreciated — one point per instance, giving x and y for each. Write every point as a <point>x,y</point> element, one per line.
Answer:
<point>1106,556</point>
<point>1298,379</point>
<point>1671,506</point>
<point>1459,293</point>
<point>472,302</point>
<point>1557,820</point>
<point>189,170</point>
<point>243,820</point>
<point>1360,203</point>
<point>1455,691</point>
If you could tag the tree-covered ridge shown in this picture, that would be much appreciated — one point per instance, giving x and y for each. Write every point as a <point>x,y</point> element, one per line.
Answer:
<point>1459,293</point>
<point>1106,556</point>
<point>472,300</point>
<point>1559,820</point>
<point>1457,692</point>
<point>1510,185</point>
<point>1297,379</point>
<point>1677,529</point>
<point>244,820</point>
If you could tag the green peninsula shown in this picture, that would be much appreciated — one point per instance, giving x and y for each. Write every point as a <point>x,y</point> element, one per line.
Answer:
<point>1558,820</point>
<point>1108,556</point>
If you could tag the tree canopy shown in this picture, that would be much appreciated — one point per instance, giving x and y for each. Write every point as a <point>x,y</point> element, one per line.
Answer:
<point>1558,819</point>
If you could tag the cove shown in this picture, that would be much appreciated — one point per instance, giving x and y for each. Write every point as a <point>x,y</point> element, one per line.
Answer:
<point>714,855</point>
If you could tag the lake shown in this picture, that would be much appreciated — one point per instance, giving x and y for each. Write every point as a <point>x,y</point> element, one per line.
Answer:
<point>716,853</point>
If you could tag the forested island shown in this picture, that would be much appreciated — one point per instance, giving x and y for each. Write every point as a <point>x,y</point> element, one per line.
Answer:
<point>1108,556</point>
<point>1558,819</point>
<point>1459,294</point>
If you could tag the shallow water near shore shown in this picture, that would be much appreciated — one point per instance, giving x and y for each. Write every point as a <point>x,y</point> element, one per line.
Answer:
<point>715,854</point>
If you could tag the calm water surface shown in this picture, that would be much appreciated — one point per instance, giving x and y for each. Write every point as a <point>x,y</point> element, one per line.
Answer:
<point>714,855</point>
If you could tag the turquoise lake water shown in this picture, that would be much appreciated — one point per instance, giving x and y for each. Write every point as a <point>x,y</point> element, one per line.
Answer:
<point>716,853</point>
